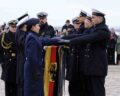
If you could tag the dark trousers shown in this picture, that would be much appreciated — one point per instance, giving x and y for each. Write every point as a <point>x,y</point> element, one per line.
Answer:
<point>77,88</point>
<point>92,86</point>
<point>111,56</point>
<point>20,90</point>
<point>10,89</point>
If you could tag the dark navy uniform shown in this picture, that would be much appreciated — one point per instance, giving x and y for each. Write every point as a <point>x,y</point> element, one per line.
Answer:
<point>76,54</point>
<point>89,71</point>
<point>33,76</point>
<point>9,60</point>
<point>33,68</point>
<point>46,30</point>
<point>93,43</point>
<point>93,64</point>
<point>82,28</point>
<point>20,45</point>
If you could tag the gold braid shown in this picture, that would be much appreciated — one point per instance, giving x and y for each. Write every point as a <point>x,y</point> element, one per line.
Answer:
<point>4,44</point>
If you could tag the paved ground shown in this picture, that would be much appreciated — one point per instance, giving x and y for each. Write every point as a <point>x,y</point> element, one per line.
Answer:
<point>1,85</point>
<point>112,82</point>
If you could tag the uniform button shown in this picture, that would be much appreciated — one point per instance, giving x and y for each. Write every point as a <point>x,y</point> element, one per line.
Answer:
<point>88,49</point>
<point>10,51</point>
<point>88,56</point>
<point>10,59</point>
<point>72,49</point>
<point>88,44</point>
<point>26,58</point>
<point>13,54</point>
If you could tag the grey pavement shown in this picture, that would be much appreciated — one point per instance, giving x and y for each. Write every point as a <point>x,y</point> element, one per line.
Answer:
<point>1,85</point>
<point>112,82</point>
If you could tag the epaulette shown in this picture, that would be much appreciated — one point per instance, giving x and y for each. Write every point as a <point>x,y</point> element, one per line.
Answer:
<point>3,43</point>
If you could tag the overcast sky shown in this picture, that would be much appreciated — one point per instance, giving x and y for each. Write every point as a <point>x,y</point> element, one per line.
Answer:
<point>59,10</point>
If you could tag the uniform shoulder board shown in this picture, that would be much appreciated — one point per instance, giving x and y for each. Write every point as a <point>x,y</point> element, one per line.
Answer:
<point>50,26</point>
<point>4,44</point>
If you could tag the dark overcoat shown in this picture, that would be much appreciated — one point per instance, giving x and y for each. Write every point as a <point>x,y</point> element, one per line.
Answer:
<point>20,44</point>
<point>94,60</point>
<point>34,67</point>
<point>47,30</point>
<point>8,57</point>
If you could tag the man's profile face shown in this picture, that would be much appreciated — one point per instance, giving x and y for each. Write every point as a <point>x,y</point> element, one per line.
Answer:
<point>95,19</point>
<point>81,19</point>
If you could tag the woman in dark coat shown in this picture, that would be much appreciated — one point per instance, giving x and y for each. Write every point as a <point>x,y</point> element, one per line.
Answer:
<point>33,68</point>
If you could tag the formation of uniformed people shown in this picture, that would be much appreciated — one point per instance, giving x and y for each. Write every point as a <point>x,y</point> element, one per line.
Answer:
<point>89,69</point>
<point>22,54</point>
<point>8,59</point>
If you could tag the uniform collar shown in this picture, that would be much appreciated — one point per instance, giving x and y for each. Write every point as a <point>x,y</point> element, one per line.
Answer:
<point>100,24</point>
<point>11,33</point>
<point>37,34</point>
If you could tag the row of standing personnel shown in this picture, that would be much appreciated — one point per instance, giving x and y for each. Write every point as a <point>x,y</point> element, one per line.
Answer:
<point>86,68</point>
<point>112,45</point>
<point>12,52</point>
<point>88,64</point>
